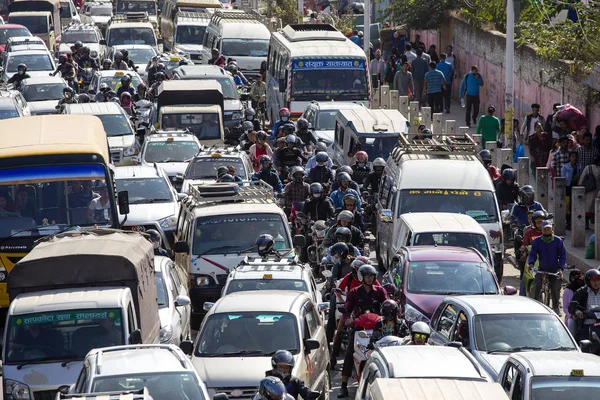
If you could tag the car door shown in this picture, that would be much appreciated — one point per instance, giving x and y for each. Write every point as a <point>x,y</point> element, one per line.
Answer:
<point>442,331</point>
<point>316,360</point>
<point>512,380</point>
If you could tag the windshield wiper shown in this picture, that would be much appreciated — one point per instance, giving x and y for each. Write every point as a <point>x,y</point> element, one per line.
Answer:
<point>275,351</point>
<point>242,352</point>
<point>44,359</point>
<point>151,200</point>
<point>560,348</point>
<point>67,362</point>
<point>18,232</point>
<point>515,349</point>
<point>230,246</point>
<point>483,216</point>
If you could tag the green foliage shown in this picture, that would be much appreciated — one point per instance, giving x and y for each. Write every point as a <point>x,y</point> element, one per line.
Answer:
<point>286,10</point>
<point>482,13</point>
<point>344,24</point>
<point>421,14</point>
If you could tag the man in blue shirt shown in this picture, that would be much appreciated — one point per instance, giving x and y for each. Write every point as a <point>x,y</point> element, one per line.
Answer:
<point>446,68</point>
<point>434,84</point>
<point>469,88</point>
<point>519,212</point>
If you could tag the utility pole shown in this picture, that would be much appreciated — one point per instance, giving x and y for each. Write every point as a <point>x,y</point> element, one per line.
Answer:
<point>367,29</point>
<point>301,11</point>
<point>509,89</point>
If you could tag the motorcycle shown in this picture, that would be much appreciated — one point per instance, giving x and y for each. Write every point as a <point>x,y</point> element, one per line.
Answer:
<point>85,77</point>
<point>366,322</point>
<point>593,331</point>
<point>315,251</point>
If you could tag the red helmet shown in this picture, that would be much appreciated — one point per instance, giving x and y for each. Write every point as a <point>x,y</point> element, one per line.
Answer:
<point>284,112</point>
<point>362,157</point>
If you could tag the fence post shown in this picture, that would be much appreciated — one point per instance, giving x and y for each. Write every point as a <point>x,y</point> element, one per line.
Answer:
<point>375,102</point>
<point>597,229</point>
<point>464,130</point>
<point>523,171</point>
<point>478,139</point>
<point>426,116</point>
<point>393,99</point>
<point>560,210</point>
<point>578,216</point>
<point>414,119</point>
<point>403,106</point>
<point>436,126</point>
<point>493,148</point>
<point>505,156</point>
<point>384,99</point>
<point>450,128</point>
<point>541,189</point>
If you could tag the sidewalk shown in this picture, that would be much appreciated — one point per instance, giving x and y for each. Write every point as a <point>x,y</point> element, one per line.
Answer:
<point>575,255</point>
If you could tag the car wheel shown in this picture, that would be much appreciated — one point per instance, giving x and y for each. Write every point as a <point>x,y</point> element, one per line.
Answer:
<point>326,387</point>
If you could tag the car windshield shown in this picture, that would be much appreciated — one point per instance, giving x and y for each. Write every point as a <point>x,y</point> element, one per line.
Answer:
<point>456,239</point>
<point>507,333</point>
<point>113,81</point>
<point>6,114</point>
<point>61,335</point>
<point>203,125</point>
<point>143,189</point>
<point>84,37</point>
<point>227,86</point>
<point>564,387</point>
<point>141,56</point>
<point>136,6</point>
<point>101,11</point>
<point>206,167</point>
<point>247,334</point>
<point>170,151</point>
<point>245,47</point>
<point>43,92</point>
<point>161,386</point>
<point>190,34</point>
<point>480,205</point>
<point>7,33</point>
<point>450,277</point>
<point>65,10</point>
<point>238,232</point>
<point>119,36</point>
<point>34,62</point>
<point>375,147</point>
<point>161,289</point>
<point>116,124</point>
<point>247,285</point>
<point>326,120</point>
<point>36,24</point>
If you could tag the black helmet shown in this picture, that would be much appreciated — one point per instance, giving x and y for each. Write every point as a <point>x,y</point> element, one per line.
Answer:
<point>282,357</point>
<point>590,275</point>
<point>348,198</point>
<point>78,44</point>
<point>347,169</point>
<point>344,176</point>
<point>527,194</point>
<point>249,112</point>
<point>264,244</point>
<point>227,178</point>
<point>161,67</point>
<point>321,147</point>
<point>389,310</point>
<point>321,157</point>
<point>508,174</point>
<point>125,53</point>
<point>289,129</point>
<point>265,159</point>
<point>125,79</point>
<point>366,270</point>
<point>85,49</point>
<point>154,237</point>
<point>538,214</point>
<point>22,67</point>
<point>83,98</point>
<point>426,133</point>
<point>222,170</point>
<point>486,156</point>
<point>343,234</point>
<point>159,75</point>
<point>68,90</point>
<point>141,87</point>
<point>302,123</point>
<point>316,187</point>
<point>339,249</point>
<point>262,135</point>
<point>271,388</point>
<point>106,61</point>
<point>247,126</point>
<point>118,54</point>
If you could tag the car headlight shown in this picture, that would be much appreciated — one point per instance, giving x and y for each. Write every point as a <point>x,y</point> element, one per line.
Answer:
<point>16,390</point>
<point>94,54</point>
<point>166,334</point>
<point>411,314</point>
<point>237,115</point>
<point>202,280</point>
<point>168,222</point>
<point>131,151</point>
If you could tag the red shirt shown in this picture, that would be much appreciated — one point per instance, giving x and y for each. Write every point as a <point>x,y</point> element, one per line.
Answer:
<point>353,283</point>
<point>494,174</point>
<point>530,234</point>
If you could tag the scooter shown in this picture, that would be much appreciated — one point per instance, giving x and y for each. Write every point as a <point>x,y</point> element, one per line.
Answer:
<point>315,252</point>
<point>362,338</point>
<point>593,330</point>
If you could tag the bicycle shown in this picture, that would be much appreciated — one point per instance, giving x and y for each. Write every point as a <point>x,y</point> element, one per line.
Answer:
<point>546,291</point>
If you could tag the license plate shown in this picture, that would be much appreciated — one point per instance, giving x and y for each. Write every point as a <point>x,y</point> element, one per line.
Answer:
<point>138,228</point>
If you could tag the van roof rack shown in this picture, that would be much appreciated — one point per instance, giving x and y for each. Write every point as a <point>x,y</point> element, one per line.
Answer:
<point>222,15</point>
<point>141,394</point>
<point>131,17</point>
<point>459,144</point>
<point>306,32</point>
<point>193,15</point>
<point>231,192</point>
<point>268,262</point>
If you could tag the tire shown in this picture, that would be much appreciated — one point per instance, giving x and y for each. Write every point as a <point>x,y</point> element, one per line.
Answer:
<point>326,386</point>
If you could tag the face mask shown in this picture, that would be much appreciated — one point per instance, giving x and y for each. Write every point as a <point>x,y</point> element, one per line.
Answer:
<point>21,72</point>
<point>250,117</point>
<point>284,119</point>
<point>362,164</point>
<point>317,195</point>
<point>337,260</point>
<point>298,179</point>
<point>321,164</point>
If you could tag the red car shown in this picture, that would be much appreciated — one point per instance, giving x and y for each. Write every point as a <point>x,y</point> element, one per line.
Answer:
<point>425,275</point>
<point>10,30</point>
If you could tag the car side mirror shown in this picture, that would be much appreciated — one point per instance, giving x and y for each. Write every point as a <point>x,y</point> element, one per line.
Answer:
<point>207,305</point>
<point>135,337</point>
<point>123,202</point>
<point>456,345</point>
<point>510,291</point>
<point>299,241</point>
<point>103,42</point>
<point>182,301</point>
<point>323,307</point>
<point>181,247</point>
<point>181,196</point>
<point>310,345</point>
<point>187,346</point>
<point>386,216</point>
<point>178,178</point>
<point>585,346</point>
<point>220,396</point>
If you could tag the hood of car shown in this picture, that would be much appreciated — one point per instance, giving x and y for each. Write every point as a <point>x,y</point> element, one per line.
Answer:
<point>216,372</point>
<point>43,107</point>
<point>101,20</point>
<point>120,141</point>
<point>174,168</point>
<point>140,214</point>
<point>425,303</point>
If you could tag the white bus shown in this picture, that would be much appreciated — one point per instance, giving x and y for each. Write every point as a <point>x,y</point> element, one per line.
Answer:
<point>313,62</point>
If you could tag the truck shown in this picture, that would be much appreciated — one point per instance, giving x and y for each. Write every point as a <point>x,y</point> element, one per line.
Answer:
<point>73,292</point>
<point>41,17</point>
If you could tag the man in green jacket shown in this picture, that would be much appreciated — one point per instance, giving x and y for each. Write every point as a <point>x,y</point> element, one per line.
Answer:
<point>488,126</point>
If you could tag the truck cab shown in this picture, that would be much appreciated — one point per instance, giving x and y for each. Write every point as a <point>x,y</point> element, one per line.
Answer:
<point>41,17</point>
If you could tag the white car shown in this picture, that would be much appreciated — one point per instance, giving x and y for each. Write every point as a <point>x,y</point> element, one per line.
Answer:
<point>43,93</point>
<point>153,202</point>
<point>39,63</point>
<point>113,79</point>
<point>97,13</point>
<point>174,309</point>
<point>21,43</point>
<point>87,34</point>
<point>140,54</point>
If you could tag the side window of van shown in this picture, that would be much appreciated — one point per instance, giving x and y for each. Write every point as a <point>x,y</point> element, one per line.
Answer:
<point>385,191</point>
<point>339,134</point>
<point>393,199</point>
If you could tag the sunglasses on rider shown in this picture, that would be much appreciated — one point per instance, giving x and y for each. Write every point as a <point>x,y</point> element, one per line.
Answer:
<point>420,336</point>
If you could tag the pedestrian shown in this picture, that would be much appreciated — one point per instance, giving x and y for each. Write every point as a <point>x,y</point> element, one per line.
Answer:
<point>576,281</point>
<point>469,90</point>
<point>434,85</point>
<point>419,68</point>
<point>390,70</point>
<point>433,53</point>
<point>409,53</point>
<point>571,142</point>
<point>591,173</point>
<point>450,57</point>
<point>550,119</point>
<point>540,144</point>
<point>560,157</point>
<point>571,171</point>
<point>550,253</point>
<point>587,152</point>
<point>417,43</point>
<point>377,68</point>
<point>528,128</point>
<point>488,126</point>
<point>446,68</point>
<point>398,43</point>
<point>404,82</point>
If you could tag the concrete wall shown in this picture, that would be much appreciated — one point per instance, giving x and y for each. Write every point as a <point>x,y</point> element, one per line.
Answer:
<point>486,49</point>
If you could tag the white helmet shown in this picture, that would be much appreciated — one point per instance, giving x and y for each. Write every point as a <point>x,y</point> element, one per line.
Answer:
<point>379,162</point>
<point>420,327</point>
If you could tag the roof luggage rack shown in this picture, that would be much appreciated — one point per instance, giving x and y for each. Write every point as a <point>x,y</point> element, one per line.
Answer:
<point>192,14</point>
<point>216,150</point>
<point>309,32</point>
<point>130,17</point>
<point>457,145</point>
<point>231,192</point>
<point>232,15</point>
<point>251,260</point>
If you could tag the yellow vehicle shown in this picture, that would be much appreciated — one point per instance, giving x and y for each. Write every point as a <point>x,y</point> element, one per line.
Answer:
<point>41,17</point>
<point>55,175</point>
<point>171,9</point>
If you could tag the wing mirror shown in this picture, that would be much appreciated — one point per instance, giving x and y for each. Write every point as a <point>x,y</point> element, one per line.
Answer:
<point>386,216</point>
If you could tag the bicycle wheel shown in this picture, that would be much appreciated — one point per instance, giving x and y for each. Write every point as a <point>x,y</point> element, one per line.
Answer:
<point>546,294</point>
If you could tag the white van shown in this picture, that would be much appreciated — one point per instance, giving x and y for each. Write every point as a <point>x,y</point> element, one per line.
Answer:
<point>439,229</point>
<point>238,35</point>
<point>439,175</point>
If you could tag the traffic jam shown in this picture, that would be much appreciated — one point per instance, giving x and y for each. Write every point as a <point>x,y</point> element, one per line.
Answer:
<point>198,202</point>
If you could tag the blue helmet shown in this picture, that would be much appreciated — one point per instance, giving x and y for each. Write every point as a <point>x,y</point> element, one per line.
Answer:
<point>271,388</point>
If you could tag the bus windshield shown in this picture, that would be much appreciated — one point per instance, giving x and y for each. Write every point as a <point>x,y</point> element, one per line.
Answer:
<point>45,200</point>
<point>329,80</point>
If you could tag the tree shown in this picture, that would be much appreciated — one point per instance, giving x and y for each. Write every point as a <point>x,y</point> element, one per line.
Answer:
<point>286,10</point>
<point>421,14</point>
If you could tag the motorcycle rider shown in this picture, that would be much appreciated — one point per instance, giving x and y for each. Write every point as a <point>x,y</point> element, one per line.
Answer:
<point>250,116</point>
<point>125,86</point>
<point>283,363</point>
<point>312,162</point>
<point>390,323</point>
<point>349,202</point>
<point>141,93</point>
<point>17,78</point>
<point>371,183</point>
<point>585,299</point>
<point>319,207</point>
<point>347,169</point>
<point>486,159</point>
<point>259,148</point>
<point>366,295</point>
<point>85,61</point>
<point>216,58</point>
<point>419,334</point>
<point>239,79</point>
<point>321,173</point>
<point>157,242</point>
<point>119,64</point>
<point>337,196</point>
<point>518,216</point>
<point>360,167</point>
<point>76,50</point>
<point>159,77</point>
<point>284,118</point>
<point>66,69</point>
<point>106,64</point>
<point>272,388</point>
<point>268,174</point>
<point>289,156</point>
<point>304,134</point>
<point>297,190</point>
<point>507,190</point>
<point>344,219</point>
<point>68,98</point>
<point>101,95</point>
<point>128,61</point>
<point>531,232</point>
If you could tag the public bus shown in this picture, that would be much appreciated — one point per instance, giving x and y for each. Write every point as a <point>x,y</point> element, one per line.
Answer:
<point>313,62</point>
<point>55,175</point>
